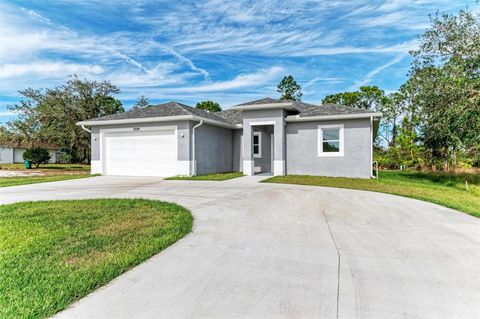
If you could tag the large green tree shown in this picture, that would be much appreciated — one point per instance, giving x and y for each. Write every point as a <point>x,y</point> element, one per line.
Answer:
<point>209,106</point>
<point>50,115</point>
<point>446,77</point>
<point>290,89</point>
<point>350,99</point>
<point>367,97</point>
<point>373,98</point>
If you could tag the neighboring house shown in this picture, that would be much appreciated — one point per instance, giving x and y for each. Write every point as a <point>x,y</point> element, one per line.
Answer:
<point>13,153</point>
<point>267,135</point>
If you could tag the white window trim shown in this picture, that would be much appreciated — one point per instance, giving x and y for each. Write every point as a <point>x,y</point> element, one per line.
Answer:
<point>259,155</point>
<point>341,141</point>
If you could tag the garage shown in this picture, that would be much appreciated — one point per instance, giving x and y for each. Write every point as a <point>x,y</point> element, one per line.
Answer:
<point>141,153</point>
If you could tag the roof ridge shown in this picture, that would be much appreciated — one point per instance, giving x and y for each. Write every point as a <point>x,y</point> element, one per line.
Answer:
<point>181,107</point>
<point>200,112</point>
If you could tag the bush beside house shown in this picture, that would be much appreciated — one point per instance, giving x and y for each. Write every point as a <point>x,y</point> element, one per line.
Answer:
<point>36,155</point>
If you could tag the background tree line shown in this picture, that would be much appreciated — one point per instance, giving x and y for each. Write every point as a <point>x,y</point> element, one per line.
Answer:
<point>433,120</point>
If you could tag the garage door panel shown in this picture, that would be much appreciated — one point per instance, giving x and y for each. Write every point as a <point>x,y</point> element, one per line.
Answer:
<point>149,153</point>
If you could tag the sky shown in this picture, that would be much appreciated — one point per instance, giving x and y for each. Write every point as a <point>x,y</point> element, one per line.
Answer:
<point>225,51</point>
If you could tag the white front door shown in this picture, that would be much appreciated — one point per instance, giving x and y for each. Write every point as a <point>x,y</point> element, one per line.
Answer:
<point>141,153</point>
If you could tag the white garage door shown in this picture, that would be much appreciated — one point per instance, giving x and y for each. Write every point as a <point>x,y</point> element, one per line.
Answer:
<point>141,153</point>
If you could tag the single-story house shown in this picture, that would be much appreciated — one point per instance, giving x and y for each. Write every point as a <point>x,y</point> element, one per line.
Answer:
<point>263,136</point>
<point>13,153</point>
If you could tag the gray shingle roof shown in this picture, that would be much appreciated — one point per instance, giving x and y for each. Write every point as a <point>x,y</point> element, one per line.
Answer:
<point>232,116</point>
<point>229,116</point>
<point>160,110</point>
<point>265,100</point>
<point>306,110</point>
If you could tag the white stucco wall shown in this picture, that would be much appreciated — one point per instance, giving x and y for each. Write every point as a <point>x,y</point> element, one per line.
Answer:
<point>9,155</point>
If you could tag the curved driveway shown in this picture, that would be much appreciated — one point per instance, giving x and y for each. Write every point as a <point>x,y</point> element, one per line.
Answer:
<point>285,251</point>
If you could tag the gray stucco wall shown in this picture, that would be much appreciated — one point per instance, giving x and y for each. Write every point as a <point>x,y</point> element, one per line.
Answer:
<point>302,158</point>
<point>213,149</point>
<point>183,128</point>
<point>237,165</point>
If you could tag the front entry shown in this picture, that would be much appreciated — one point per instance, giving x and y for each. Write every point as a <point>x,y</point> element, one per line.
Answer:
<point>264,137</point>
<point>262,149</point>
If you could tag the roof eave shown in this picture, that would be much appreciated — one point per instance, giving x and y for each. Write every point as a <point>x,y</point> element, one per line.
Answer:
<point>156,120</point>
<point>265,106</point>
<point>298,118</point>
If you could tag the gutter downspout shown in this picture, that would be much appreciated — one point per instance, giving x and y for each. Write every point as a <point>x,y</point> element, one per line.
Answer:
<point>194,162</point>
<point>86,129</point>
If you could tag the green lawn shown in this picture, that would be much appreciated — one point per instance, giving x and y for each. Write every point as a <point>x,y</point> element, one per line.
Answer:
<point>55,252</point>
<point>441,188</point>
<point>209,177</point>
<point>23,180</point>
<point>48,167</point>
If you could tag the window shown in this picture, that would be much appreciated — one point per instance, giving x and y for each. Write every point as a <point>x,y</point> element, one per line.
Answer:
<point>330,140</point>
<point>257,144</point>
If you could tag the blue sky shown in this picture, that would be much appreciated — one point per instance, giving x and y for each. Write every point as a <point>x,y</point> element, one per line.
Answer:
<point>227,51</point>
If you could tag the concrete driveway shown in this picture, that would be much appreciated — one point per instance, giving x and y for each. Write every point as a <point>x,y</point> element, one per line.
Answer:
<point>284,251</point>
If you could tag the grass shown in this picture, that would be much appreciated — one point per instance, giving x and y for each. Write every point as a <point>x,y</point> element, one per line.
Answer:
<point>48,167</point>
<point>444,189</point>
<point>209,177</point>
<point>55,252</point>
<point>23,180</point>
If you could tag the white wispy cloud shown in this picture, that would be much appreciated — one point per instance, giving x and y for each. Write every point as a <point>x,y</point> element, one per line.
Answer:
<point>240,81</point>
<point>48,69</point>
<point>183,59</point>
<point>186,50</point>
<point>370,75</point>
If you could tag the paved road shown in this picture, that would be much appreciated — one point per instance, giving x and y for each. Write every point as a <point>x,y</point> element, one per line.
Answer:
<point>284,251</point>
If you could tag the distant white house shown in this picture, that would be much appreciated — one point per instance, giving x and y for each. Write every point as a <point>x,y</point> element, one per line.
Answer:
<point>13,153</point>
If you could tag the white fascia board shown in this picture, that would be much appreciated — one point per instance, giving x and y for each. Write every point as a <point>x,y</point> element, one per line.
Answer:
<point>285,105</point>
<point>138,120</point>
<point>157,119</point>
<point>296,118</point>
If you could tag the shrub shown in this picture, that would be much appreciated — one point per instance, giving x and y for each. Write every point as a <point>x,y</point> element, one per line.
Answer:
<point>36,155</point>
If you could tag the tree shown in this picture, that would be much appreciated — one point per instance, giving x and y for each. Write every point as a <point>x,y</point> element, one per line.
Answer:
<point>36,155</point>
<point>141,103</point>
<point>373,98</point>
<point>290,89</point>
<point>50,115</point>
<point>350,99</point>
<point>367,97</point>
<point>446,73</point>
<point>209,106</point>
<point>392,108</point>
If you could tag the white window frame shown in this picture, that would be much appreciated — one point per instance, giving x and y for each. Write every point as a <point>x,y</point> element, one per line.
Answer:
<point>259,155</point>
<point>341,140</point>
